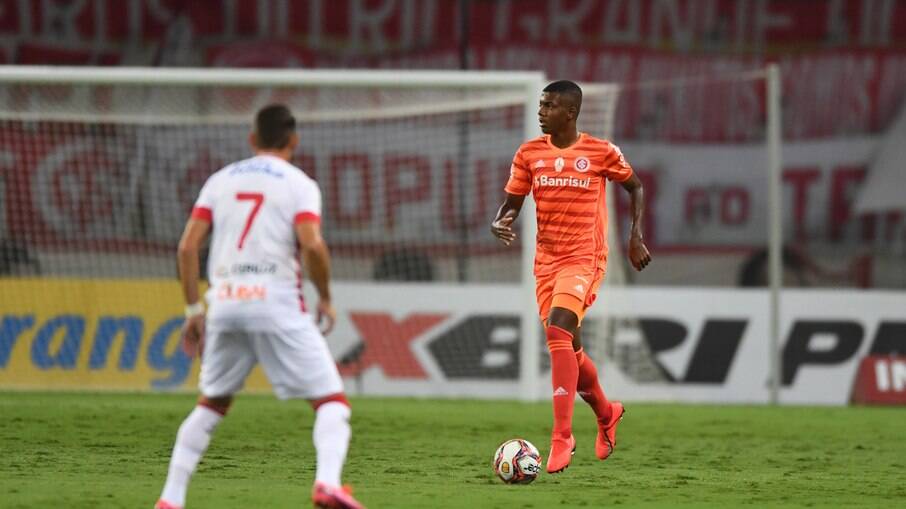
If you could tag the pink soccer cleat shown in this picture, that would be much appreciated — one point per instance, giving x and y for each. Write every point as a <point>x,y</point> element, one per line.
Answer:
<point>607,431</point>
<point>333,497</point>
<point>162,504</point>
<point>561,454</point>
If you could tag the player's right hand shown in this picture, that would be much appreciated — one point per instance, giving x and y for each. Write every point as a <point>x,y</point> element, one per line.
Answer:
<point>326,314</point>
<point>502,228</point>
<point>193,335</point>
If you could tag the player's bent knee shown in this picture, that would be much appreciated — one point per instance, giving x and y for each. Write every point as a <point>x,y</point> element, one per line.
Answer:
<point>219,404</point>
<point>564,313</point>
<point>339,397</point>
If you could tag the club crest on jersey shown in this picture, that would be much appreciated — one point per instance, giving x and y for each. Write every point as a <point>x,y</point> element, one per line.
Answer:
<point>582,164</point>
<point>558,164</point>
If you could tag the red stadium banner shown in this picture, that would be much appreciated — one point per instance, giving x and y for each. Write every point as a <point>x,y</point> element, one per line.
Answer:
<point>381,26</point>
<point>859,65</point>
<point>881,380</point>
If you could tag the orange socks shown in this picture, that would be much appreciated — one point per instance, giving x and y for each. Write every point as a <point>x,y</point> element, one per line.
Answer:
<point>564,377</point>
<point>589,387</point>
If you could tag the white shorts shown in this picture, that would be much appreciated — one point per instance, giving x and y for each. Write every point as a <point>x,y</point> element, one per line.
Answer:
<point>296,361</point>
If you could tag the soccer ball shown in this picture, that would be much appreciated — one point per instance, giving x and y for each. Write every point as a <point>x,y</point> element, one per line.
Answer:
<point>517,461</point>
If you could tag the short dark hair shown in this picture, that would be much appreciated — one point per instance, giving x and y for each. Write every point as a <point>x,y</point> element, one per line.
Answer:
<point>567,88</point>
<point>274,124</point>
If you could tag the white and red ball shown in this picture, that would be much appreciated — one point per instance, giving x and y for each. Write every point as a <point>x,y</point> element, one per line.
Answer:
<point>517,461</point>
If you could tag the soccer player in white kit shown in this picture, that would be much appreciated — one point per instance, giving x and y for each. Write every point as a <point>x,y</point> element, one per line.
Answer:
<point>264,212</point>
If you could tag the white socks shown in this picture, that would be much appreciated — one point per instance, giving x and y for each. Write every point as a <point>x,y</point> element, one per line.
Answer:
<point>191,442</point>
<point>331,437</point>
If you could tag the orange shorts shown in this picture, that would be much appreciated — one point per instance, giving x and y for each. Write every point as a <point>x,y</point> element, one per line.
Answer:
<point>572,287</point>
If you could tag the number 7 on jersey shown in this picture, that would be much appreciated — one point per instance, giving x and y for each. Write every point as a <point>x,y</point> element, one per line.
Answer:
<point>258,199</point>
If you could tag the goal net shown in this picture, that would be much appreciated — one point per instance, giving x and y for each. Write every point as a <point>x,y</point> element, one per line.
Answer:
<point>102,166</point>
<point>104,173</point>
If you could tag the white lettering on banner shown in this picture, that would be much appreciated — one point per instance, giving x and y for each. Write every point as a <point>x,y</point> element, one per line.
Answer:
<point>764,20</point>
<point>711,342</point>
<point>315,22</point>
<point>881,376</point>
<point>898,373</point>
<point>59,20</point>
<point>365,24</point>
<point>666,19</point>
<point>890,375</point>
<point>617,31</point>
<point>564,24</point>
<point>876,22</point>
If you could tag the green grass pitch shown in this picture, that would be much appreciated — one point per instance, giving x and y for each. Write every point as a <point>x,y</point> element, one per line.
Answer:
<point>80,450</point>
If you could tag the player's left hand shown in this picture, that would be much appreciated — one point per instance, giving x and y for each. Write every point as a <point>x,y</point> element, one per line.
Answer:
<point>193,335</point>
<point>326,314</point>
<point>638,253</point>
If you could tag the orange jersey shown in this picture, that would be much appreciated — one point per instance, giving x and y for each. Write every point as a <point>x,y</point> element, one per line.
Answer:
<point>568,187</point>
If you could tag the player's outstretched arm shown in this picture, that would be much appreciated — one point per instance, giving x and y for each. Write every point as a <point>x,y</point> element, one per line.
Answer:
<point>187,261</point>
<point>317,263</point>
<point>638,252</point>
<point>502,226</point>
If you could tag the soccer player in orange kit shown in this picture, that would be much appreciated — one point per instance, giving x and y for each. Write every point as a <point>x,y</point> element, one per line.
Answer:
<point>566,171</point>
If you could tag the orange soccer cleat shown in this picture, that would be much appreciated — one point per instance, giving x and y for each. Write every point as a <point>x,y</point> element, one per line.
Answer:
<point>333,497</point>
<point>561,454</point>
<point>162,504</point>
<point>607,431</point>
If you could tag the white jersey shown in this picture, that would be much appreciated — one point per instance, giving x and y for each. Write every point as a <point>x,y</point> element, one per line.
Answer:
<point>253,267</point>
